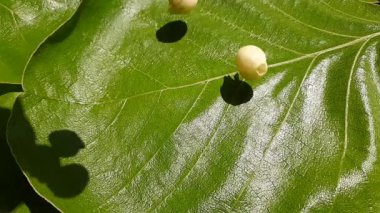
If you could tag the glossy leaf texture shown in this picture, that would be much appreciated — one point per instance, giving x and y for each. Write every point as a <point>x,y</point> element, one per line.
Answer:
<point>24,25</point>
<point>145,127</point>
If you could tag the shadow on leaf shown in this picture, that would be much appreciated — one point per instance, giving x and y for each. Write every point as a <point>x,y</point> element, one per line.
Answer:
<point>6,88</point>
<point>172,32</point>
<point>44,162</point>
<point>235,91</point>
<point>67,29</point>
<point>15,189</point>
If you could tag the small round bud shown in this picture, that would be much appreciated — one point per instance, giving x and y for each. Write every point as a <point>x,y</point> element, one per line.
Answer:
<point>251,62</point>
<point>182,6</point>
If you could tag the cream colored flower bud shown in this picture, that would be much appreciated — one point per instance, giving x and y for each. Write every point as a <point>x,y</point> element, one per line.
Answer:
<point>251,62</point>
<point>182,6</point>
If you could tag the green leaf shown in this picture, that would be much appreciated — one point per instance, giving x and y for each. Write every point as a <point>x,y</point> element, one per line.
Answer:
<point>112,119</point>
<point>24,25</point>
<point>16,194</point>
<point>10,173</point>
<point>11,176</point>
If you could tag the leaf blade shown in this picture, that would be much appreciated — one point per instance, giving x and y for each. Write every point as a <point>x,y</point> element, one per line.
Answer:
<point>157,139</point>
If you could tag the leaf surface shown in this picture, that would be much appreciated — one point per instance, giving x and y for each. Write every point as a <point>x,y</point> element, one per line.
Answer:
<point>24,25</point>
<point>16,194</point>
<point>10,173</point>
<point>142,125</point>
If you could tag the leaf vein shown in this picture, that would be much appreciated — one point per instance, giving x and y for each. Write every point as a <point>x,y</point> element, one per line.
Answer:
<point>347,14</point>
<point>247,184</point>
<point>14,20</point>
<point>162,145</point>
<point>311,26</point>
<point>346,114</point>
<point>100,133</point>
<point>251,34</point>
<point>183,177</point>
<point>279,64</point>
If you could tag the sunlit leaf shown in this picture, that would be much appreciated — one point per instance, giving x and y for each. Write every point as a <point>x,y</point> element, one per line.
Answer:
<point>145,127</point>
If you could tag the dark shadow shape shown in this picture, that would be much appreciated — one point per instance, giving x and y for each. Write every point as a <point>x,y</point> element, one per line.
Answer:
<point>235,91</point>
<point>66,29</point>
<point>10,176</point>
<point>43,162</point>
<point>4,115</point>
<point>6,88</point>
<point>172,32</point>
<point>14,188</point>
<point>65,143</point>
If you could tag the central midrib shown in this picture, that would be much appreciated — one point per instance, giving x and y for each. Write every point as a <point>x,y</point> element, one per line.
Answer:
<point>279,64</point>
